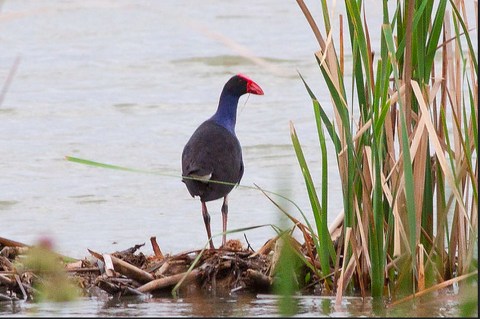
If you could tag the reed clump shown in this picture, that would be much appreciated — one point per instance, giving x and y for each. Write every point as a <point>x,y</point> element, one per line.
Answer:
<point>406,144</point>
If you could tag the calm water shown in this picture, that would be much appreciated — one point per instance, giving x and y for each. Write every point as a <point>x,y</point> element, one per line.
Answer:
<point>126,83</point>
<point>241,305</point>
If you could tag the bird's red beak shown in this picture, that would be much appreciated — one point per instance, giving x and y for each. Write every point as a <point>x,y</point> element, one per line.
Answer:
<point>254,88</point>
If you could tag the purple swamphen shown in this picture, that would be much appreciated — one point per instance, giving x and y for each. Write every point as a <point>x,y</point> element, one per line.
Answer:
<point>213,152</point>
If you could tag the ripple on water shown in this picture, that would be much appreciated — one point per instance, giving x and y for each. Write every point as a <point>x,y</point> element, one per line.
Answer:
<point>6,204</point>
<point>228,60</point>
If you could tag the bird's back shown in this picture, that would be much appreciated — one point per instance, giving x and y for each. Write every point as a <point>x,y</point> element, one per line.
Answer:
<point>214,153</point>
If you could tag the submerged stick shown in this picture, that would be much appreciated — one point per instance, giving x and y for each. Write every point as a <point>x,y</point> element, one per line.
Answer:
<point>129,291</point>
<point>259,280</point>
<point>110,288</point>
<point>117,289</point>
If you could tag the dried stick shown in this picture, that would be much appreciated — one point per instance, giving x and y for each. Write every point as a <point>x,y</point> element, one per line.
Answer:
<point>4,280</point>
<point>131,271</point>
<point>20,285</point>
<point>156,248</point>
<point>82,270</point>
<point>109,268</point>
<point>11,243</point>
<point>127,269</point>
<point>5,298</point>
<point>167,281</point>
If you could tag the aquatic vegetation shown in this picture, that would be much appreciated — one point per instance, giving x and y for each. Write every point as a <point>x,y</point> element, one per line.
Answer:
<point>406,144</point>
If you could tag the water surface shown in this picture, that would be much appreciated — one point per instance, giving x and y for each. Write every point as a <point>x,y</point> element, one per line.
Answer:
<point>237,305</point>
<point>126,83</point>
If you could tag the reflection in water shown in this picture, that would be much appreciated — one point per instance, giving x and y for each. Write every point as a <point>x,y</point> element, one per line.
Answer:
<point>442,304</point>
<point>126,306</point>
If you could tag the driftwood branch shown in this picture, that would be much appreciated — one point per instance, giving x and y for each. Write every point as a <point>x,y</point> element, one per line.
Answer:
<point>131,271</point>
<point>20,285</point>
<point>11,243</point>
<point>126,269</point>
<point>168,281</point>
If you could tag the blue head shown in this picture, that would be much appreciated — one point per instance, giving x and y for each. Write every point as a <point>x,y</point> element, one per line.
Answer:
<point>237,86</point>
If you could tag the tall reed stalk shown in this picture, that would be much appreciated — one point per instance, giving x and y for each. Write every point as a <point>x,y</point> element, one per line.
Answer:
<point>406,147</point>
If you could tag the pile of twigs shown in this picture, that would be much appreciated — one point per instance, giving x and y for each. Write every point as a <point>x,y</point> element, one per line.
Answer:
<point>129,272</point>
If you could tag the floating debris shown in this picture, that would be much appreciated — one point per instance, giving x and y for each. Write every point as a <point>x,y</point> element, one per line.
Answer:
<point>129,272</point>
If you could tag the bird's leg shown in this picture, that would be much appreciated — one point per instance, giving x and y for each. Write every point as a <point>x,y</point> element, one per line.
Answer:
<point>206,220</point>
<point>224,219</point>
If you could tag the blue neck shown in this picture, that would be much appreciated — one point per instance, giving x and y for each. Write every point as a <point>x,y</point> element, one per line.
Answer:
<point>226,114</point>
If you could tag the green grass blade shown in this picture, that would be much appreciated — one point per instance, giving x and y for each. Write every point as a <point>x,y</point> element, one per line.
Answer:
<point>314,202</point>
<point>324,235</point>
<point>473,115</point>
<point>110,166</point>
<point>407,163</point>
<point>467,36</point>
<point>329,126</point>
<point>432,43</point>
